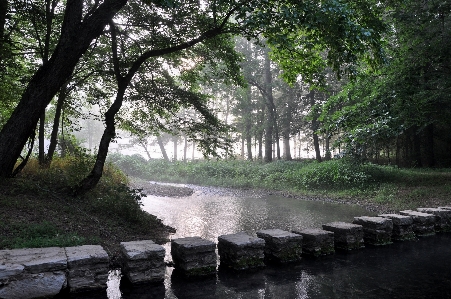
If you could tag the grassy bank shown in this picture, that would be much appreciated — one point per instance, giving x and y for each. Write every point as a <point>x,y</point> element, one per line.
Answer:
<point>38,210</point>
<point>384,187</point>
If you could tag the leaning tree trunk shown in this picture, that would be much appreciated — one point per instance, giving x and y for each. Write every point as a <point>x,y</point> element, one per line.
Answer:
<point>76,36</point>
<point>162,149</point>
<point>108,134</point>
<point>56,121</point>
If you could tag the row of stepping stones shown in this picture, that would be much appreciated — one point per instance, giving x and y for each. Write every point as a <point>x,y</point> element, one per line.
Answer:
<point>194,256</point>
<point>44,272</point>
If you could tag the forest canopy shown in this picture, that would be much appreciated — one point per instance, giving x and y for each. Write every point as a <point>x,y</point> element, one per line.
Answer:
<point>370,77</point>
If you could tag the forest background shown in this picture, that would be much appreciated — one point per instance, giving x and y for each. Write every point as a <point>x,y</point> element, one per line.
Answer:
<point>358,83</point>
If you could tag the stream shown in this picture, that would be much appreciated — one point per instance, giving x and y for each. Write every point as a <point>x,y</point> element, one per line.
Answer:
<point>412,269</point>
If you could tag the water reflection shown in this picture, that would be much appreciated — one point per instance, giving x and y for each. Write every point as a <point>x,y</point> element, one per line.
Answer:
<point>417,269</point>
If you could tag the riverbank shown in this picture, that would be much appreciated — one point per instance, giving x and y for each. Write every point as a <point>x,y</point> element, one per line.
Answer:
<point>38,210</point>
<point>376,187</point>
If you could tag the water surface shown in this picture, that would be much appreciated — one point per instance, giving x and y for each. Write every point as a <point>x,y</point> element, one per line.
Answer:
<point>415,269</point>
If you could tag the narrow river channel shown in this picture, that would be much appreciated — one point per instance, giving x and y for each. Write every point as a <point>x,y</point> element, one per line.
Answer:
<point>413,269</point>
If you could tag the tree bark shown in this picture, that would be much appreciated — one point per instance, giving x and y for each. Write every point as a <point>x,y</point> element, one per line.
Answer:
<point>248,123</point>
<point>3,12</point>
<point>269,106</point>
<point>162,149</point>
<point>429,146</point>
<point>108,134</point>
<point>314,128</point>
<point>287,129</point>
<point>54,137</point>
<point>174,141</point>
<point>76,37</point>
<point>416,154</point>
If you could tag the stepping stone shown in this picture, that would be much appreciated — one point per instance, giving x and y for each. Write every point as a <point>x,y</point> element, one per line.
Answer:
<point>376,230</point>
<point>347,236</point>
<point>88,268</point>
<point>241,251</point>
<point>402,227</point>
<point>442,218</point>
<point>194,256</point>
<point>316,242</point>
<point>143,261</point>
<point>423,223</point>
<point>281,246</point>
<point>32,273</point>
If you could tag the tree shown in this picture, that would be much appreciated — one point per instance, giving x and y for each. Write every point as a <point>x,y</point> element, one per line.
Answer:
<point>347,38</point>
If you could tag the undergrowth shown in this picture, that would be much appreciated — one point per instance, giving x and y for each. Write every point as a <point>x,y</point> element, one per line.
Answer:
<point>339,178</point>
<point>37,208</point>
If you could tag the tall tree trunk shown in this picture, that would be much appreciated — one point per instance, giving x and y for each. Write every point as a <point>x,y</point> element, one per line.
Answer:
<point>56,121</point>
<point>185,148</point>
<point>328,155</point>
<point>286,131</point>
<point>242,147</point>
<point>416,154</point>
<point>192,154</point>
<point>175,140</point>
<point>162,149</point>
<point>76,37</point>
<point>314,128</point>
<point>248,122</point>
<point>429,146</point>
<point>3,12</point>
<point>269,107</point>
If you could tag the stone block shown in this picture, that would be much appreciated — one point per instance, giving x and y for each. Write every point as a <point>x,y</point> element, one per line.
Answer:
<point>442,218</point>
<point>88,267</point>
<point>423,223</point>
<point>241,251</point>
<point>281,246</point>
<point>402,227</point>
<point>143,261</point>
<point>194,256</point>
<point>316,242</point>
<point>347,236</point>
<point>376,230</point>
<point>32,273</point>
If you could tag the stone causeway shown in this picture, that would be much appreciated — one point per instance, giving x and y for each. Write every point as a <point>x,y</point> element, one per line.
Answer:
<point>45,272</point>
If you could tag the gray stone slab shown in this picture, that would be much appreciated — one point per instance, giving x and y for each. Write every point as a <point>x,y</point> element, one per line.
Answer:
<point>281,246</point>
<point>36,260</point>
<point>241,251</point>
<point>32,273</point>
<point>85,255</point>
<point>347,236</point>
<point>194,256</point>
<point>143,261</point>
<point>37,285</point>
<point>423,223</point>
<point>88,267</point>
<point>316,242</point>
<point>398,219</point>
<point>376,230</point>
<point>402,227</point>
<point>442,218</point>
<point>142,250</point>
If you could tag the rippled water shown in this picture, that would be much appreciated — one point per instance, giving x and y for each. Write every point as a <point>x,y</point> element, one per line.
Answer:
<point>415,269</point>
